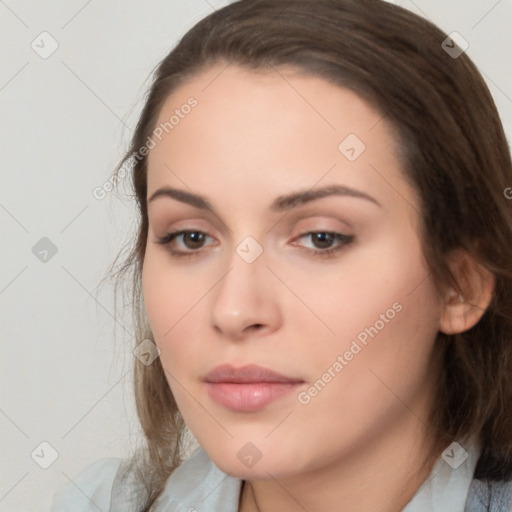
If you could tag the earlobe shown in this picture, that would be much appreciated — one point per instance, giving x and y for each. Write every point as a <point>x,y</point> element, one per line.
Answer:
<point>464,310</point>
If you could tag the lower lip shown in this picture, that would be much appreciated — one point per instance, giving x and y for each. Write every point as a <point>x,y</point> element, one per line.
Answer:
<point>248,397</point>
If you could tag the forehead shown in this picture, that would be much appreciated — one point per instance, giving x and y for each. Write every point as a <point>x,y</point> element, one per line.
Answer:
<point>272,131</point>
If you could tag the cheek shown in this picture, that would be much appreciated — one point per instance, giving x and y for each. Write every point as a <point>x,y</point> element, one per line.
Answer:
<point>166,297</point>
<point>376,382</point>
<point>385,337</point>
<point>173,299</point>
<point>378,292</point>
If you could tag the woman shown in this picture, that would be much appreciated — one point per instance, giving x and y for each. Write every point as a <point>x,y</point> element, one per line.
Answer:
<point>323,262</point>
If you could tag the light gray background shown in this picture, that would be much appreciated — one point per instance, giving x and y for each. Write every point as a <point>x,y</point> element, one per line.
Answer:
<point>65,121</point>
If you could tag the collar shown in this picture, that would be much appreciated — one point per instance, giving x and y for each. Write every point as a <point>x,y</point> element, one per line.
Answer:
<point>199,485</point>
<point>446,489</point>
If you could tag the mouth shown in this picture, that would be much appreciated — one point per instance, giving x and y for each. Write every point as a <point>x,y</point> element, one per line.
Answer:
<point>249,388</point>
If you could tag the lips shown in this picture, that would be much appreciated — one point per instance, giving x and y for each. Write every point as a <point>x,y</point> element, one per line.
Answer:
<point>246,374</point>
<point>247,389</point>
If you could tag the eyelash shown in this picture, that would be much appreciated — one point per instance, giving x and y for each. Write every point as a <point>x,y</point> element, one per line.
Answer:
<point>321,253</point>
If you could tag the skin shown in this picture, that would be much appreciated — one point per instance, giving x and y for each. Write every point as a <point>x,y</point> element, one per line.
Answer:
<point>251,138</point>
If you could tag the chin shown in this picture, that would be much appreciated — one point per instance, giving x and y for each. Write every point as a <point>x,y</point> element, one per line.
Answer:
<point>240,465</point>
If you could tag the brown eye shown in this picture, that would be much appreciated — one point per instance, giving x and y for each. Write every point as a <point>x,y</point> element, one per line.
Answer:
<point>322,240</point>
<point>326,244</point>
<point>189,243</point>
<point>193,239</point>
<point>184,242</point>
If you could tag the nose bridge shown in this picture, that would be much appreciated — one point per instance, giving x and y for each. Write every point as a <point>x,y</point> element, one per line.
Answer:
<point>244,296</point>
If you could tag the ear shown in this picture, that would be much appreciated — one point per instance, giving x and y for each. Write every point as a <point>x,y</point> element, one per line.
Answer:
<point>463,310</point>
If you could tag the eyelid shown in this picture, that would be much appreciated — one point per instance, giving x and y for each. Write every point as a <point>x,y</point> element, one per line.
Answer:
<point>321,223</point>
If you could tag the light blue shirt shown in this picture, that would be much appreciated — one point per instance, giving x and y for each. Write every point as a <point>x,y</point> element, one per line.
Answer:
<point>197,485</point>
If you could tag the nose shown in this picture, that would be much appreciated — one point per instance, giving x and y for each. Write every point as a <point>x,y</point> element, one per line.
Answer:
<point>246,301</point>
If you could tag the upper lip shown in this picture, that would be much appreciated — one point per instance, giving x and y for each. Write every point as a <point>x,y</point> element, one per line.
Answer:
<point>246,374</point>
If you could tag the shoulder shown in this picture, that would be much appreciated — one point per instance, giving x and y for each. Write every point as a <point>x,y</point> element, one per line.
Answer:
<point>90,491</point>
<point>491,487</point>
<point>488,496</point>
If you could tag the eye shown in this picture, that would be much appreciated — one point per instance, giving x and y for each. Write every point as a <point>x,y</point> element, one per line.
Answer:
<point>193,241</point>
<point>323,242</point>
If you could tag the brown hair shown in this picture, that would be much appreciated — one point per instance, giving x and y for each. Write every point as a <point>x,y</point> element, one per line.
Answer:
<point>455,154</point>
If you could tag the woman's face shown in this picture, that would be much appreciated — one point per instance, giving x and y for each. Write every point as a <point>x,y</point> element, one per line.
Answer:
<point>254,282</point>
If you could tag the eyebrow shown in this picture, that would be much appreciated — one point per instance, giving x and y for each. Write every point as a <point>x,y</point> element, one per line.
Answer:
<point>279,204</point>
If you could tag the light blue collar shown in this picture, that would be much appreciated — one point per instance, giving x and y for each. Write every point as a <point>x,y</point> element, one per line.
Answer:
<point>446,488</point>
<point>197,485</point>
